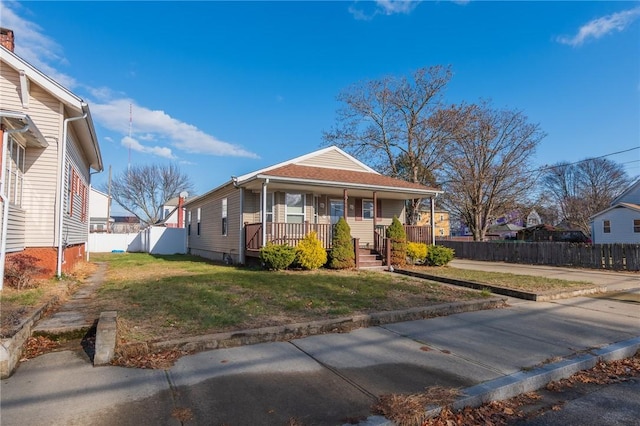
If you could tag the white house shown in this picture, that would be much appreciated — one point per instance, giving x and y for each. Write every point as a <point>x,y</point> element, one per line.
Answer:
<point>49,147</point>
<point>99,211</point>
<point>620,223</point>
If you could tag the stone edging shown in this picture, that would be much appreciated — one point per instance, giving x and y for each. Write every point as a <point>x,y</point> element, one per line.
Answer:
<point>518,294</point>
<point>337,325</point>
<point>11,347</point>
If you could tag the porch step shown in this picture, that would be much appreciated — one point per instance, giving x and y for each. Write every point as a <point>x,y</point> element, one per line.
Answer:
<point>369,259</point>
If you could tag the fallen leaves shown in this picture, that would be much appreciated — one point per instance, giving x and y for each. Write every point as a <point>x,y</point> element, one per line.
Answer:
<point>36,346</point>
<point>410,409</point>
<point>152,360</point>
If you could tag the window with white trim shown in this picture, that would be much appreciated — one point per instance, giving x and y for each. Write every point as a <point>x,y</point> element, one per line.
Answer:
<point>606,226</point>
<point>198,214</point>
<point>189,222</point>
<point>367,209</point>
<point>224,217</point>
<point>636,225</point>
<point>294,207</point>
<point>269,209</point>
<point>14,172</point>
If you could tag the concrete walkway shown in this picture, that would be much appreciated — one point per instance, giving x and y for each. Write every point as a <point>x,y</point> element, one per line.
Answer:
<point>334,378</point>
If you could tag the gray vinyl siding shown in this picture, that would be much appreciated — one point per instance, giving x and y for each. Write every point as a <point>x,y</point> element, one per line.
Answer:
<point>15,229</point>
<point>621,220</point>
<point>211,243</point>
<point>333,160</point>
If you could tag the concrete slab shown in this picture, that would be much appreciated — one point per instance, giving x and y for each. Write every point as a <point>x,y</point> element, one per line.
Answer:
<point>380,361</point>
<point>58,387</point>
<point>63,322</point>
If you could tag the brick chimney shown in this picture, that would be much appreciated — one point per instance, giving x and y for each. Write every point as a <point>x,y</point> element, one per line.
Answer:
<point>7,39</point>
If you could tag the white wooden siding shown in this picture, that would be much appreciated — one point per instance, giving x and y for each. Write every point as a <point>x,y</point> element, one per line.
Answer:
<point>333,160</point>
<point>74,227</point>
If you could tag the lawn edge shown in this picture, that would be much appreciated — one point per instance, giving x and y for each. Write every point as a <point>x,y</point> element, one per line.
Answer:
<point>335,325</point>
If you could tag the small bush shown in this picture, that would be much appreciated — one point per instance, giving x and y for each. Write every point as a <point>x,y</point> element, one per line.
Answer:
<point>417,252</point>
<point>439,255</point>
<point>398,239</point>
<point>20,271</point>
<point>310,254</point>
<point>342,254</point>
<point>277,256</point>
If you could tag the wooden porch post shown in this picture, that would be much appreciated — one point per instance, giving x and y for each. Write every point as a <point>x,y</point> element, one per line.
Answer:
<point>433,220</point>
<point>346,205</point>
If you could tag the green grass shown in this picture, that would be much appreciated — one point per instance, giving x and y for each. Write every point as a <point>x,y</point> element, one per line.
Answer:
<point>172,295</point>
<point>28,297</point>
<point>513,281</point>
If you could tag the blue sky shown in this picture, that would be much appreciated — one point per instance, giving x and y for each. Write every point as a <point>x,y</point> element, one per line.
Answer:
<point>224,88</point>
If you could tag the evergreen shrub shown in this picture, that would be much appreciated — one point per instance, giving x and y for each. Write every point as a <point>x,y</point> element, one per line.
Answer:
<point>342,254</point>
<point>398,240</point>
<point>277,256</point>
<point>439,255</point>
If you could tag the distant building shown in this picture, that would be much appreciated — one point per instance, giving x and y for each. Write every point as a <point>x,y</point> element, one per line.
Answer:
<point>620,223</point>
<point>533,219</point>
<point>442,222</point>
<point>98,211</point>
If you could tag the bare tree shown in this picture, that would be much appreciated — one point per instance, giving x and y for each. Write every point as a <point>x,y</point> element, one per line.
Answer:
<point>143,190</point>
<point>390,124</point>
<point>486,170</point>
<point>582,189</point>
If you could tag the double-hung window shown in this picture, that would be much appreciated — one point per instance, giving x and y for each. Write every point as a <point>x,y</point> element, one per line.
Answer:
<point>224,217</point>
<point>636,225</point>
<point>295,207</point>
<point>606,226</point>
<point>14,172</point>
<point>269,208</point>
<point>367,209</point>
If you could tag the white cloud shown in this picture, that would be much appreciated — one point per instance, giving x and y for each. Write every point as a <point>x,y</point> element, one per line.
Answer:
<point>160,151</point>
<point>111,109</point>
<point>158,125</point>
<point>381,7</point>
<point>602,26</point>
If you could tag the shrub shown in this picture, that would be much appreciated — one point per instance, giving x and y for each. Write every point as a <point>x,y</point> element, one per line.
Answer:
<point>20,270</point>
<point>417,252</point>
<point>310,254</point>
<point>277,256</point>
<point>398,240</point>
<point>439,255</point>
<point>342,254</point>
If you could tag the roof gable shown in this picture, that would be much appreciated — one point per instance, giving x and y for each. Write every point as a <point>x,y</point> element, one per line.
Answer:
<point>331,157</point>
<point>629,195</point>
<point>630,206</point>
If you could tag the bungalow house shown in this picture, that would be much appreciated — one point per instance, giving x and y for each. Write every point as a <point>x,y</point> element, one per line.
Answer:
<point>286,201</point>
<point>620,222</point>
<point>49,146</point>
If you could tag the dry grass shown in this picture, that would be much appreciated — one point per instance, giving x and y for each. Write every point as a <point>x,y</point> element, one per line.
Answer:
<point>408,410</point>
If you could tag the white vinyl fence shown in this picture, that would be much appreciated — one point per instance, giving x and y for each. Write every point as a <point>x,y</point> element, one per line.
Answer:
<point>153,240</point>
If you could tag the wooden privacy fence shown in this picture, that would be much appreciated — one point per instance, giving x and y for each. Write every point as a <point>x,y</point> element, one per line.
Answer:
<point>618,257</point>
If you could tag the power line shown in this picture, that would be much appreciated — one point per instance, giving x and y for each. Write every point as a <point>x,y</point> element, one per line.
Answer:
<point>586,159</point>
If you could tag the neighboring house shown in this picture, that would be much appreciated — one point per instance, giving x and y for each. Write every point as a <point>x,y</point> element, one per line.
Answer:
<point>99,211</point>
<point>620,223</point>
<point>49,146</point>
<point>533,219</point>
<point>284,202</point>
<point>124,225</point>
<point>173,212</point>
<point>442,222</point>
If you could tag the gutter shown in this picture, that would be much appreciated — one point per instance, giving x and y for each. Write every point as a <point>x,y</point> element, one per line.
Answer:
<point>5,200</point>
<point>65,132</point>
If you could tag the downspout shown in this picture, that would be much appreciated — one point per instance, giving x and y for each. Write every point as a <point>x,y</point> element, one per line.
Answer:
<point>264,212</point>
<point>5,200</point>
<point>63,168</point>
<point>242,243</point>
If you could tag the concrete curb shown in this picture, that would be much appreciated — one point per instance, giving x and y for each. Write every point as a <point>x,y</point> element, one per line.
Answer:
<point>336,325</point>
<point>518,294</point>
<point>105,338</point>
<point>11,347</point>
<point>527,381</point>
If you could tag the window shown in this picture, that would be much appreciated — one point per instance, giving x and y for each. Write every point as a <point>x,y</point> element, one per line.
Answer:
<point>367,209</point>
<point>269,209</point>
<point>441,218</point>
<point>15,172</point>
<point>198,216</point>
<point>189,223</point>
<point>636,225</point>
<point>606,226</point>
<point>295,207</point>
<point>224,216</point>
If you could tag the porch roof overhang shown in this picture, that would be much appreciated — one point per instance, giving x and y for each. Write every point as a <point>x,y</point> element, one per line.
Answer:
<point>12,120</point>
<point>333,182</point>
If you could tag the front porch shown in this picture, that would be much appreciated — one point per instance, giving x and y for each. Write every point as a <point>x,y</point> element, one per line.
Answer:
<point>293,233</point>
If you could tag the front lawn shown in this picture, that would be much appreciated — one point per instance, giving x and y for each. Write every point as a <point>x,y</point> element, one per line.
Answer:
<point>162,297</point>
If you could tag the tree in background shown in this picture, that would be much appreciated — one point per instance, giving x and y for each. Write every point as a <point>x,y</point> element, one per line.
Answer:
<point>144,189</point>
<point>390,123</point>
<point>486,169</point>
<point>582,189</point>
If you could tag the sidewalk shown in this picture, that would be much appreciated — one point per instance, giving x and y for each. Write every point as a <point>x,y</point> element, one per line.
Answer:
<point>614,281</point>
<point>325,379</point>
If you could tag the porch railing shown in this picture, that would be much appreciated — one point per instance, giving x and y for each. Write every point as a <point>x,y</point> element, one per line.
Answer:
<point>415,233</point>
<point>286,233</point>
